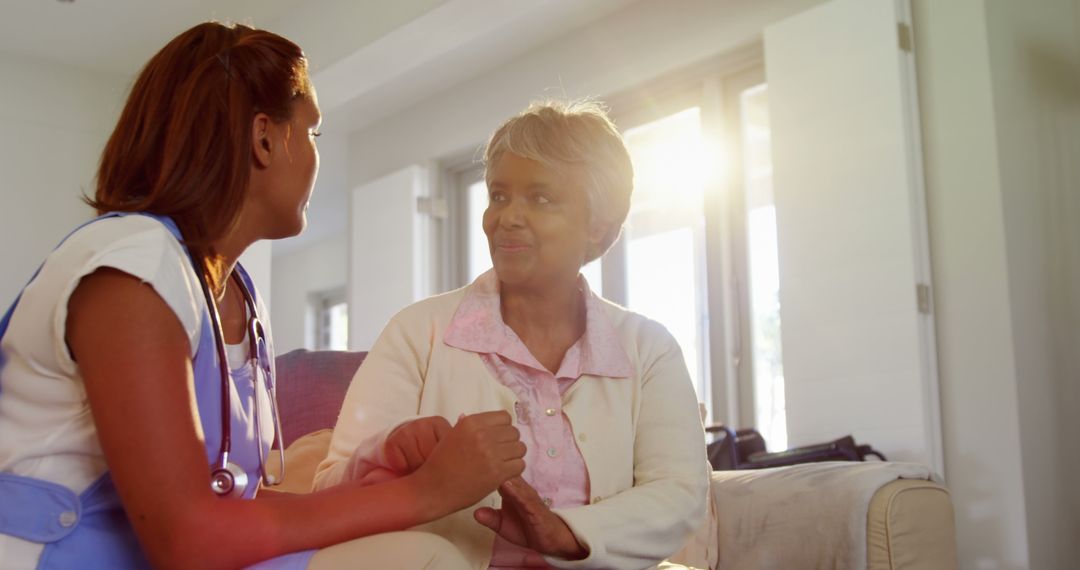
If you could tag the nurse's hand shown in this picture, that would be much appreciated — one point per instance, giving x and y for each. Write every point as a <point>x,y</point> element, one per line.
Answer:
<point>526,520</point>
<point>409,446</point>
<point>376,476</point>
<point>471,460</point>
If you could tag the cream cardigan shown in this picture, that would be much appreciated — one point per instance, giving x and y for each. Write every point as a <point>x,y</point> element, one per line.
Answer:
<point>641,436</point>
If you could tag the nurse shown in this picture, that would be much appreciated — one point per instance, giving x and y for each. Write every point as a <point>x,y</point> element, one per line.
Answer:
<point>136,368</point>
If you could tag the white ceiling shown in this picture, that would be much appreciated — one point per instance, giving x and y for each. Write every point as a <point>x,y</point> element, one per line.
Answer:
<point>114,36</point>
<point>370,57</point>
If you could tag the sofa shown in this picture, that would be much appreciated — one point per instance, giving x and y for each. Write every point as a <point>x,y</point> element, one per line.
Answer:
<point>873,515</point>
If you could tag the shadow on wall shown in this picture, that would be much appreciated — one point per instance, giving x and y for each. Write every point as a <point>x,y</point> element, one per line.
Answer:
<point>1056,78</point>
<point>977,521</point>
<point>1053,76</point>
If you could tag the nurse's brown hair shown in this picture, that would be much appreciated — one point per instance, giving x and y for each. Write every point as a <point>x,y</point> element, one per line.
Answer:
<point>182,146</point>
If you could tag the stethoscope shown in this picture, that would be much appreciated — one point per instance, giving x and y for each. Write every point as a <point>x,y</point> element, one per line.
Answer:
<point>228,478</point>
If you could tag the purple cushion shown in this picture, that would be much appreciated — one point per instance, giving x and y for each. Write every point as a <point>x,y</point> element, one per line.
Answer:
<point>310,388</point>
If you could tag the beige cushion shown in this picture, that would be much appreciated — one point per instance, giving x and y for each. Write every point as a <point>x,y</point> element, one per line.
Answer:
<point>909,526</point>
<point>301,459</point>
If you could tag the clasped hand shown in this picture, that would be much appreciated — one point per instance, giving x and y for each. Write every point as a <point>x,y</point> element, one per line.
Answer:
<point>461,464</point>
<point>526,520</point>
<point>483,452</point>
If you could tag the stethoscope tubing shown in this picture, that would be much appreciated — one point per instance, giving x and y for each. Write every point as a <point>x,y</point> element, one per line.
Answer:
<point>256,334</point>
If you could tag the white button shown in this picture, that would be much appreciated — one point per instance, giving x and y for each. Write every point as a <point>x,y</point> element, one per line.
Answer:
<point>581,437</point>
<point>68,518</point>
<point>548,502</point>
<point>552,452</point>
<point>550,411</point>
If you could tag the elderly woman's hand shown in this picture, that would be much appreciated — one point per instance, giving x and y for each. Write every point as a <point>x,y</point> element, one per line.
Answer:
<point>411,443</point>
<point>525,520</point>
<point>471,460</point>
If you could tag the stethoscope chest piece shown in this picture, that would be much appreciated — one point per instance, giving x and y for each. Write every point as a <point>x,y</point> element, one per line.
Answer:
<point>230,481</point>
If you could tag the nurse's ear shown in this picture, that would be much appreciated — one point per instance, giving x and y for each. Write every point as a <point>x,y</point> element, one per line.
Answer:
<point>261,144</point>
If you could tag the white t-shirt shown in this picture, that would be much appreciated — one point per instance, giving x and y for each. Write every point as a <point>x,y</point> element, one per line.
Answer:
<point>46,430</point>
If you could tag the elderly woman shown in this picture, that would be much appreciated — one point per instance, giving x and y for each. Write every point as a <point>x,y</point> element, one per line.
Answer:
<point>615,468</point>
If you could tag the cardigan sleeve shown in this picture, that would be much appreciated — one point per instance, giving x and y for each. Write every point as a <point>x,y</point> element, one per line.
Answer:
<point>384,394</point>
<point>639,527</point>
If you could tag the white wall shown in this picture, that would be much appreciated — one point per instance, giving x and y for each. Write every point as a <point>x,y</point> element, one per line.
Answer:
<point>852,332</point>
<point>1035,73</point>
<point>53,124</point>
<point>391,251</point>
<point>297,275</point>
<point>980,421</point>
<point>1002,132</point>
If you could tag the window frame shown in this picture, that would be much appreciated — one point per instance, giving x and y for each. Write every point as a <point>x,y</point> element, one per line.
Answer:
<point>459,178</point>
<point>714,87</point>
<point>742,350</point>
<point>320,304</point>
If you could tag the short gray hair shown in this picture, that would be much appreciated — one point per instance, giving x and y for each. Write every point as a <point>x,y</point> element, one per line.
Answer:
<point>573,135</point>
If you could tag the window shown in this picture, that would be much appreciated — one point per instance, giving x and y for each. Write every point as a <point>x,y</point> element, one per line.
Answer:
<point>331,321</point>
<point>664,239</point>
<point>764,268</point>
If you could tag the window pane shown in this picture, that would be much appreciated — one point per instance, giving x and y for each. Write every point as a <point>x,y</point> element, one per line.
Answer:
<point>479,259</point>
<point>770,408</point>
<point>665,249</point>
<point>339,327</point>
<point>661,278</point>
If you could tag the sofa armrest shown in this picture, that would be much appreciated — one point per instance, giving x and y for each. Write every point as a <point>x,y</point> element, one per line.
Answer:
<point>910,525</point>
<point>813,515</point>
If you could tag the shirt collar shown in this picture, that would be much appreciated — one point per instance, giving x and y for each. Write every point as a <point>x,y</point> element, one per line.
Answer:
<point>477,326</point>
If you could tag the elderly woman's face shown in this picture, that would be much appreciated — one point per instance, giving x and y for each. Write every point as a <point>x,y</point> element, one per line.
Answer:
<point>537,223</point>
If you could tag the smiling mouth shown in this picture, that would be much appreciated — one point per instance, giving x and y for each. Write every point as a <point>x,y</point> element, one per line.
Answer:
<point>511,247</point>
